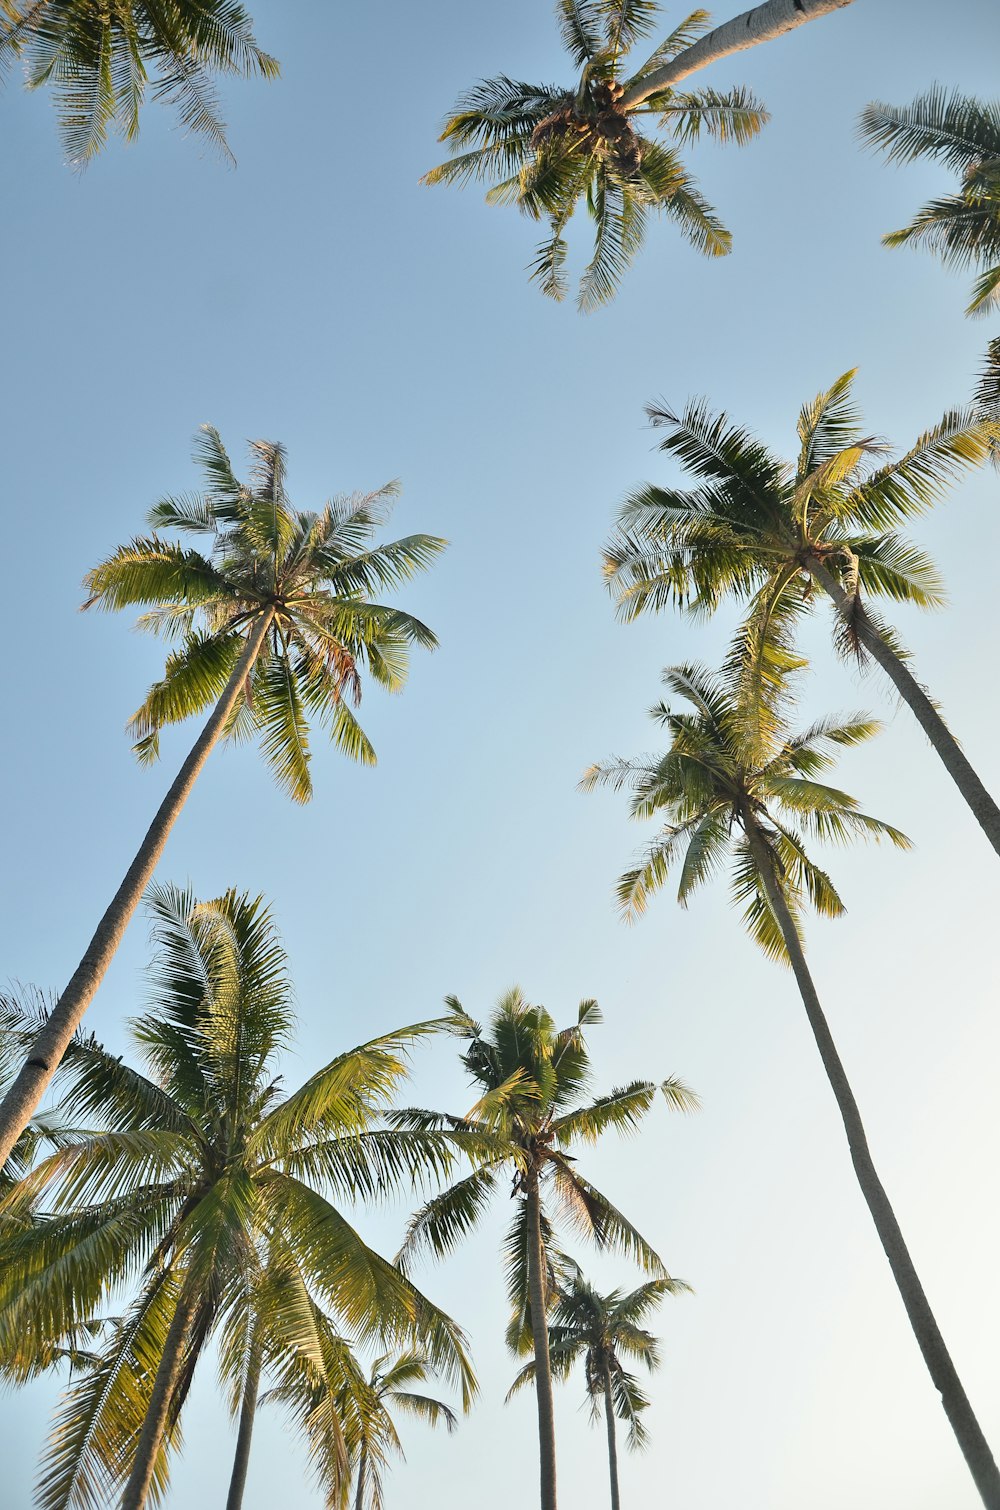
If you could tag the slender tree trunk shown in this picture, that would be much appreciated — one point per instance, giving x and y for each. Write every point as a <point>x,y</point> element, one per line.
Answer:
<point>609,1414</point>
<point>248,1411</point>
<point>359,1498</point>
<point>984,808</point>
<point>925,1328</point>
<point>540,1335</point>
<point>158,1412</point>
<point>53,1039</point>
<point>762,24</point>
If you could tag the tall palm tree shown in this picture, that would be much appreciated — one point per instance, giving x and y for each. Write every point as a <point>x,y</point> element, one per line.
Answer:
<point>732,787</point>
<point>98,58</point>
<point>369,1414</point>
<point>530,1075</point>
<point>548,148</point>
<point>759,529</point>
<point>963,133</point>
<point>275,623</point>
<point>602,1330</point>
<point>202,1181</point>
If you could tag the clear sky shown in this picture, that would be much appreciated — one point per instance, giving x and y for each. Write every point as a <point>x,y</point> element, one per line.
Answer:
<point>320,296</point>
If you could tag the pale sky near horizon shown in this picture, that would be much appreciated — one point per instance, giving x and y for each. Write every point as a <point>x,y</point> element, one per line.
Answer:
<point>319,295</point>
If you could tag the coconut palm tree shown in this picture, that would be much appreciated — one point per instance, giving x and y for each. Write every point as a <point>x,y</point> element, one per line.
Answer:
<point>602,1330</point>
<point>530,1075</point>
<point>369,1414</point>
<point>98,58</point>
<point>548,148</point>
<point>963,133</point>
<point>204,1184</point>
<point>275,625</point>
<point>735,788</point>
<point>763,531</point>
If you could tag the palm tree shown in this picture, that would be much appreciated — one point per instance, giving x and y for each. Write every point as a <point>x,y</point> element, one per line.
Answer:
<point>963,133</point>
<point>276,623</point>
<point>530,1075</point>
<point>602,1330</point>
<point>735,787</point>
<point>761,530</point>
<point>369,1416</point>
<point>98,58</point>
<point>204,1186</point>
<point>548,148</point>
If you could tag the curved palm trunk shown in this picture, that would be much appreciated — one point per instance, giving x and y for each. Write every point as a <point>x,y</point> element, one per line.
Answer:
<point>762,24</point>
<point>540,1336</point>
<point>158,1412</point>
<point>969,1433</point>
<point>52,1041</point>
<point>248,1410</point>
<point>984,808</point>
<point>609,1414</point>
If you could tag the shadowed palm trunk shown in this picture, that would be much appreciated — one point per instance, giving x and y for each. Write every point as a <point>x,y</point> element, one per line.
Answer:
<point>762,24</point>
<point>359,1498</point>
<point>158,1413</point>
<point>248,1410</point>
<point>970,1436</point>
<point>540,1336</point>
<point>609,1413</point>
<point>52,1041</point>
<point>984,808</point>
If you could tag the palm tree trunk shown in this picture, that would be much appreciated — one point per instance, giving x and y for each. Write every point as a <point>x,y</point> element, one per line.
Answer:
<point>158,1412</point>
<point>52,1041</point>
<point>609,1413</point>
<point>969,1433</point>
<point>540,1335</point>
<point>359,1499</point>
<point>762,24</point>
<point>248,1410</point>
<point>984,808</point>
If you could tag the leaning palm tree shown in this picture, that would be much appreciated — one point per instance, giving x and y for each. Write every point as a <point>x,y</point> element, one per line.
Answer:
<point>98,58</point>
<point>963,133</point>
<point>203,1185</point>
<point>732,787</point>
<point>530,1075</point>
<point>759,529</point>
<point>275,623</point>
<point>602,1330</point>
<point>548,148</point>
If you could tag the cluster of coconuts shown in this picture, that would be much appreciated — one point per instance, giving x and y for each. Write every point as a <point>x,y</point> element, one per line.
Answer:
<point>604,120</point>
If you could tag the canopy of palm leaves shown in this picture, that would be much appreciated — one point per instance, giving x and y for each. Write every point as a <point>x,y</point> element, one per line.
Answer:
<point>312,575</point>
<point>963,133</point>
<point>205,1179</point>
<point>99,55</point>
<point>754,524</point>
<point>368,1406</point>
<point>549,148</point>
<point>725,771</point>
<point>602,1330</point>
<point>531,1076</point>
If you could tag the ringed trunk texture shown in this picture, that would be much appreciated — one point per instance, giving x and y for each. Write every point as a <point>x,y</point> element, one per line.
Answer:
<point>609,1414</point>
<point>157,1415</point>
<point>248,1411</point>
<point>762,24</point>
<point>969,1433</point>
<point>984,808</point>
<point>540,1335</point>
<point>52,1041</point>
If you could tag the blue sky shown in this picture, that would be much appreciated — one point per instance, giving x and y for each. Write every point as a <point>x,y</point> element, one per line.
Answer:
<point>320,296</point>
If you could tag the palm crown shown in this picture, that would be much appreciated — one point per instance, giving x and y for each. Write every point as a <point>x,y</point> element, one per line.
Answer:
<point>206,1185</point>
<point>531,1076</point>
<point>730,786</point>
<point>311,576</point>
<point>602,1331</point>
<point>549,148</point>
<point>99,57</point>
<point>963,133</point>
